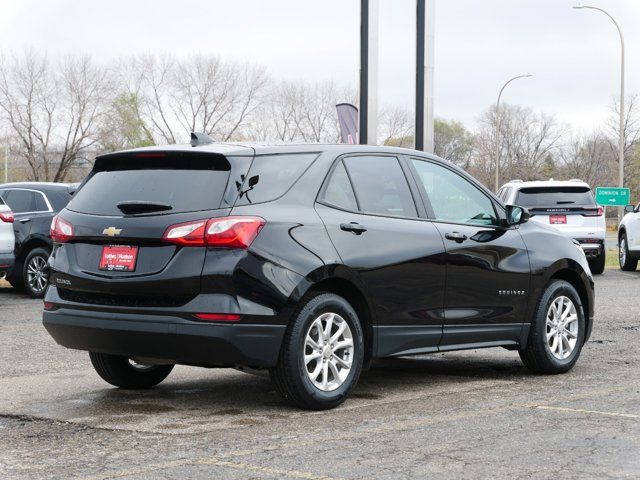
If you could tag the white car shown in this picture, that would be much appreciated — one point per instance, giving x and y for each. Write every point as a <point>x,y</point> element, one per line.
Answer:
<point>7,239</point>
<point>568,206</point>
<point>629,238</point>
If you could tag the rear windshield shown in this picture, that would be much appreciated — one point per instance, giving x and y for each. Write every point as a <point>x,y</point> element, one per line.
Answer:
<point>184,183</point>
<point>554,196</point>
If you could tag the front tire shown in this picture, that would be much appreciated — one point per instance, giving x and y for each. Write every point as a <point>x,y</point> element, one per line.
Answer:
<point>124,373</point>
<point>597,265</point>
<point>557,332</point>
<point>627,263</point>
<point>322,354</point>
<point>35,272</point>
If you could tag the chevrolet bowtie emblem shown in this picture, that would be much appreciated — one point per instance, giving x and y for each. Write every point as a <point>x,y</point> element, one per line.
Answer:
<point>111,231</point>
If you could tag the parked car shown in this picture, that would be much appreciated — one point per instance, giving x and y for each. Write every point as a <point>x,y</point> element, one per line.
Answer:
<point>7,239</point>
<point>34,205</point>
<point>568,206</point>
<point>306,261</point>
<point>629,238</point>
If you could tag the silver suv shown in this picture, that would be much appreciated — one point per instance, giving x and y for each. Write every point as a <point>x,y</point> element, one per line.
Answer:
<point>7,239</point>
<point>568,206</point>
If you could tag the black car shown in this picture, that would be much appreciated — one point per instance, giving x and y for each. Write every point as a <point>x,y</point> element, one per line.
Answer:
<point>34,204</point>
<point>307,261</point>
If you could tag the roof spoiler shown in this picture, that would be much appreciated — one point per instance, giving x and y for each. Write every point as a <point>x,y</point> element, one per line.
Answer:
<point>200,138</point>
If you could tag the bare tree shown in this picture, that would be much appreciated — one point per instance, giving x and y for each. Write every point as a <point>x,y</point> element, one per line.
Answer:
<point>529,142</point>
<point>453,142</point>
<point>588,158</point>
<point>396,127</point>
<point>52,111</point>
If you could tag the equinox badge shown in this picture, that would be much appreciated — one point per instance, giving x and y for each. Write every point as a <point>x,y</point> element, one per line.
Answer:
<point>111,231</point>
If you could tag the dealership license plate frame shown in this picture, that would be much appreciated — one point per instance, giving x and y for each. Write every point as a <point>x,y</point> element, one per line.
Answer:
<point>119,262</point>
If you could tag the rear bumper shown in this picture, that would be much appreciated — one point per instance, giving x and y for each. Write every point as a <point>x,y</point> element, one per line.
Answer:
<point>169,335</point>
<point>166,338</point>
<point>7,260</point>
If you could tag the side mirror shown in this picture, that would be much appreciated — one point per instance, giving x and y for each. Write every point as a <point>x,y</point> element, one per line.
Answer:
<point>629,209</point>
<point>517,215</point>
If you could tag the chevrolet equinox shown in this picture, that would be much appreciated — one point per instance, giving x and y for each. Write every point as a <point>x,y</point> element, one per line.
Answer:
<point>306,261</point>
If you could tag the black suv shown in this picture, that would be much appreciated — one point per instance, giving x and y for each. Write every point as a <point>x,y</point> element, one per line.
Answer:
<point>34,204</point>
<point>306,261</point>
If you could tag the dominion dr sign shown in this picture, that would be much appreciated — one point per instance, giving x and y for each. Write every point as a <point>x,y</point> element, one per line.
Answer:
<point>612,196</point>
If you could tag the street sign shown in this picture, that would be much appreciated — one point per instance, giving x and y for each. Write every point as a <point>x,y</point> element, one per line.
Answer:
<point>612,196</point>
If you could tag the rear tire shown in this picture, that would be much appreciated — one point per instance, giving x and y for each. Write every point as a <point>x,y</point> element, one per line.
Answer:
<point>627,263</point>
<point>322,354</point>
<point>35,272</point>
<point>547,352</point>
<point>121,372</point>
<point>597,266</point>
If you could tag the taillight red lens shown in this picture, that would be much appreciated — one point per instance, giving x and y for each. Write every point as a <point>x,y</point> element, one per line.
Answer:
<point>233,232</point>
<point>6,217</point>
<point>594,213</point>
<point>218,317</point>
<point>223,232</point>
<point>189,233</point>
<point>61,230</point>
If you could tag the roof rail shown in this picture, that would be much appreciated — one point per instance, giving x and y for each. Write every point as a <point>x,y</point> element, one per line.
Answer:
<point>516,180</point>
<point>575,180</point>
<point>199,138</point>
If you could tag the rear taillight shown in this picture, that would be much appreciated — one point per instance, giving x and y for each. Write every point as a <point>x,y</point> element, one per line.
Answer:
<point>61,230</point>
<point>6,217</point>
<point>223,232</point>
<point>594,213</point>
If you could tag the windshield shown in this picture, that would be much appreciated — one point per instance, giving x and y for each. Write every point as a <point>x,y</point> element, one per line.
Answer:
<point>537,197</point>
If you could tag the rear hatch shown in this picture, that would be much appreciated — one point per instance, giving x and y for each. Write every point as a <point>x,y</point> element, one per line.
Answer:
<point>116,253</point>
<point>570,209</point>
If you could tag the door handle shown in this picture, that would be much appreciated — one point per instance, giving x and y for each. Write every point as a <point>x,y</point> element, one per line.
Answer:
<point>353,227</point>
<point>455,236</point>
<point>24,220</point>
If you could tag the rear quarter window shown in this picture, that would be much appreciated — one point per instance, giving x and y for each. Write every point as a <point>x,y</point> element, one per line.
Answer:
<point>270,176</point>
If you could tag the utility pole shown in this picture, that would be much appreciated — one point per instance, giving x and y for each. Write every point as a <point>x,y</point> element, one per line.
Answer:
<point>621,133</point>
<point>369,10</point>
<point>425,23</point>
<point>497,169</point>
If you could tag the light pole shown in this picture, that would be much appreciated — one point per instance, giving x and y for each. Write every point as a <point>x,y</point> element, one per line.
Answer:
<point>498,126</point>
<point>621,134</point>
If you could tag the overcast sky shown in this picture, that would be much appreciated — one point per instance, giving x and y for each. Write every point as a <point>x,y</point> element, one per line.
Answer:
<point>573,54</point>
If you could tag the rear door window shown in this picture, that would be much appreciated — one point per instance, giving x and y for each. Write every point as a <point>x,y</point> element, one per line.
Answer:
<point>20,201</point>
<point>270,176</point>
<point>380,186</point>
<point>536,197</point>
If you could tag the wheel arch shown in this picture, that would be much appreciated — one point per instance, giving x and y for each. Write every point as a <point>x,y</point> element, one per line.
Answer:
<point>573,277</point>
<point>342,281</point>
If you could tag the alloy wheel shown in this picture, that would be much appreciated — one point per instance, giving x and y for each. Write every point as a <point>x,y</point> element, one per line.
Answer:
<point>37,274</point>
<point>562,327</point>
<point>328,351</point>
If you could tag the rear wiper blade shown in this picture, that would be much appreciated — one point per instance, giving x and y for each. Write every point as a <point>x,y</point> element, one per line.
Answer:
<point>131,207</point>
<point>564,203</point>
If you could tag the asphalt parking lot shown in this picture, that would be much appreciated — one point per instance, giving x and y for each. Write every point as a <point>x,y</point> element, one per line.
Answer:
<point>458,415</point>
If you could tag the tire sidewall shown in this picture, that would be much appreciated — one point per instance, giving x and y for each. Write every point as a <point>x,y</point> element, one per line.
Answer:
<point>553,291</point>
<point>327,303</point>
